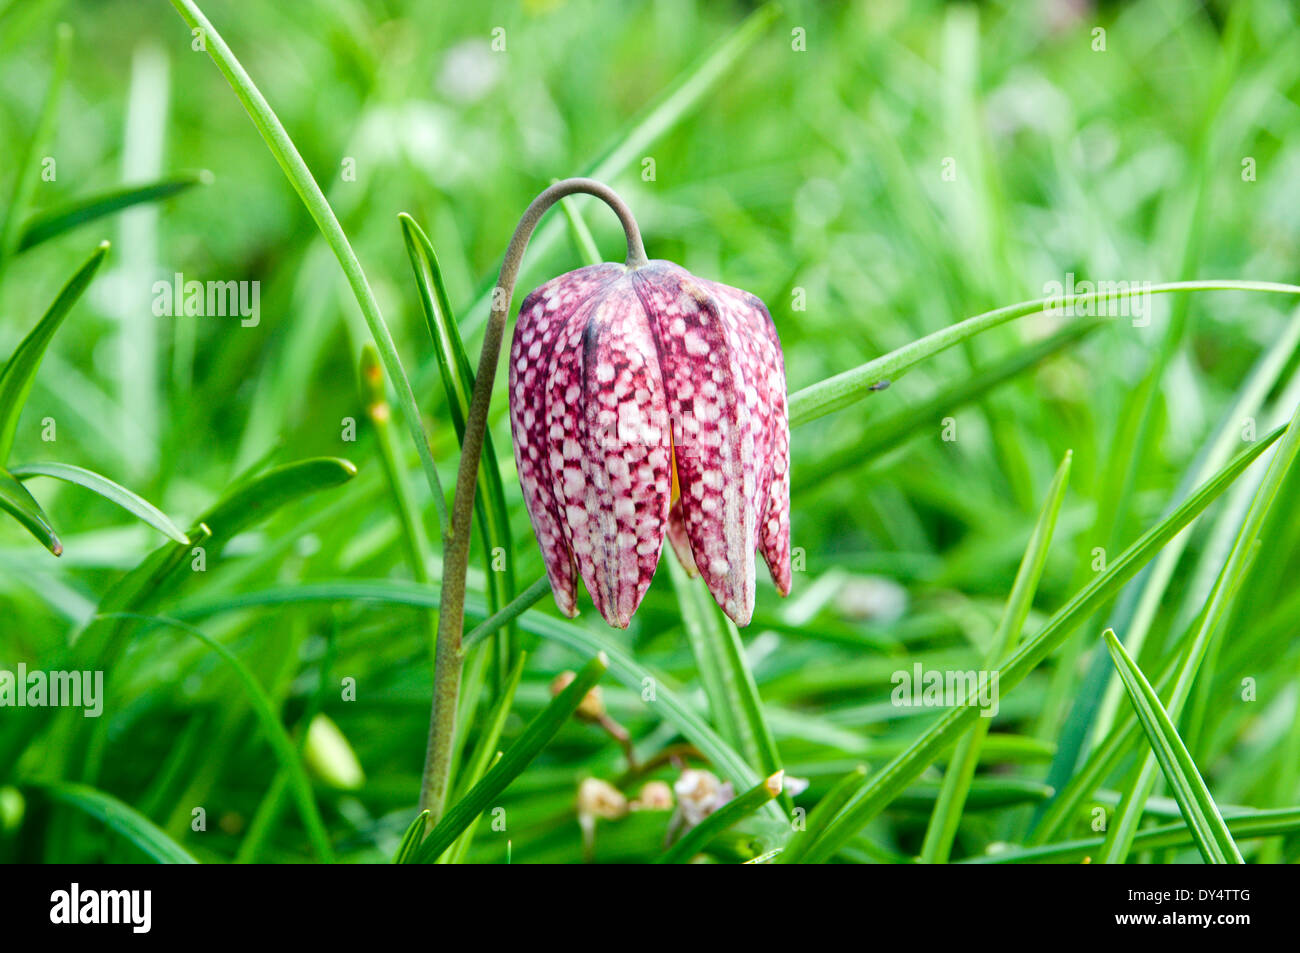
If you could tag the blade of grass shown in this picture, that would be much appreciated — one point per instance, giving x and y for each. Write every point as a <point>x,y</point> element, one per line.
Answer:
<point>705,637</point>
<point>1101,761</point>
<point>1137,623</point>
<point>408,513</point>
<point>1220,602</point>
<point>119,817</point>
<point>729,683</point>
<point>909,422</point>
<point>665,702</point>
<point>19,372</point>
<point>286,753</point>
<point>300,177</point>
<point>902,770</point>
<point>1242,827</point>
<point>411,840</point>
<point>831,804</point>
<point>516,607</point>
<point>1199,810</point>
<point>28,168</point>
<point>1138,604</point>
<point>939,836</point>
<point>486,753</point>
<point>458,383</point>
<point>18,503</point>
<point>835,393</point>
<point>56,221</point>
<point>539,731</point>
<point>137,506</point>
<point>243,506</point>
<point>724,818</point>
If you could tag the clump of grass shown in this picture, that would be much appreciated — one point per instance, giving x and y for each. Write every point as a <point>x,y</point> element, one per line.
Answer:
<point>970,493</point>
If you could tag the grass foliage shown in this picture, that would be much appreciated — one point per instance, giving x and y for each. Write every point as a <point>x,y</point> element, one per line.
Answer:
<point>994,462</point>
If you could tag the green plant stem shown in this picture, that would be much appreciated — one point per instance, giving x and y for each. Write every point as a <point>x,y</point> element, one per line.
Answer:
<point>450,653</point>
<point>509,612</point>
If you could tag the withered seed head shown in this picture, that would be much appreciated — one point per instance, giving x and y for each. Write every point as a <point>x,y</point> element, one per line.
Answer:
<point>592,706</point>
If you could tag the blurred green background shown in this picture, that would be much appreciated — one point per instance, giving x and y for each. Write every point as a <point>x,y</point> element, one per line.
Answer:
<point>910,165</point>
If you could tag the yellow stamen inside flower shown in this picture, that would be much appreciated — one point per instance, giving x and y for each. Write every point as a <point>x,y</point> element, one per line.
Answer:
<point>672,464</point>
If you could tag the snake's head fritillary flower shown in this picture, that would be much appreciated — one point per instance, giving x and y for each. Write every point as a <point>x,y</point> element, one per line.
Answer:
<point>646,402</point>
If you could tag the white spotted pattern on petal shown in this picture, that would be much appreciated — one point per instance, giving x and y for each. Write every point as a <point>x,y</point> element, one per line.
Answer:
<point>542,320</point>
<point>606,395</point>
<point>715,433</point>
<point>765,374</point>
<point>606,366</point>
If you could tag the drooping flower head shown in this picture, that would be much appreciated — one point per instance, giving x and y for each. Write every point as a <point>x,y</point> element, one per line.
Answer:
<point>644,403</point>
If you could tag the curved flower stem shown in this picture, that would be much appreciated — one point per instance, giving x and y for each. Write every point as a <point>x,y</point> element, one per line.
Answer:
<point>449,655</point>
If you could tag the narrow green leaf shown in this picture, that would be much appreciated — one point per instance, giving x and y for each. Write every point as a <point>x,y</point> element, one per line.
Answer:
<point>28,169</point>
<point>411,840</point>
<point>120,495</point>
<point>948,808</point>
<point>54,222</point>
<point>121,818</point>
<point>1102,759</point>
<point>539,731</point>
<point>285,751</point>
<point>486,753</point>
<point>583,241</point>
<point>256,500</point>
<point>849,387</point>
<point>295,169</point>
<point>724,818</point>
<point>22,506</point>
<point>704,633</point>
<point>1221,598</point>
<point>663,700</point>
<point>907,423</point>
<point>245,505</point>
<point>1244,826</point>
<point>830,805</point>
<point>902,770</point>
<point>983,794</point>
<point>1199,810</point>
<point>724,671</point>
<point>508,613</point>
<point>1097,699</point>
<point>17,376</point>
<point>458,382</point>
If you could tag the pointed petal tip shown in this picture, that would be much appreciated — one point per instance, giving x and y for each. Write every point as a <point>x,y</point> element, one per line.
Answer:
<point>739,613</point>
